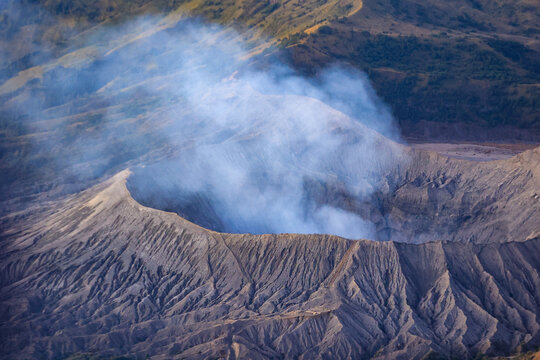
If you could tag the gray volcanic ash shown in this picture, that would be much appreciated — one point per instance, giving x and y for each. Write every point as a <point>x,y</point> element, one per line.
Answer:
<point>100,273</point>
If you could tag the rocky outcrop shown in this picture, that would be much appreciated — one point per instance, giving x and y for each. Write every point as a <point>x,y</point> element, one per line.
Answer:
<point>100,273</point>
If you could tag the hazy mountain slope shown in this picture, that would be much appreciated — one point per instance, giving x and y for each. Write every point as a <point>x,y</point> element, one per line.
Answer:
<point>67,76</point>
<point>51,23</point>
<point>460,70</point>
<point>100,273</point>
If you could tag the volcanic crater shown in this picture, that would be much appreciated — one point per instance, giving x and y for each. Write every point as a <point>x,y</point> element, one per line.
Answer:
<point>429,197</point>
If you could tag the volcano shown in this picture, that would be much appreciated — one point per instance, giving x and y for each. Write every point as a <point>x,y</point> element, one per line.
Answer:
<point>186,188</point>
<point>98,272</point>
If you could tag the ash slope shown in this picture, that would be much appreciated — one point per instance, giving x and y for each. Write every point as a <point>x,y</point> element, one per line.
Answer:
<point>99,272</point>
<point>438,198</point>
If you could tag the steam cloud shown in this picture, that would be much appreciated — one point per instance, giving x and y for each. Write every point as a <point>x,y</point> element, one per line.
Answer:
<point>224,143</point>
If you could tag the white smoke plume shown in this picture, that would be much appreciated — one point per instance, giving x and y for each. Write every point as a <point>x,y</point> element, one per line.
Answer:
<point>231,145</point>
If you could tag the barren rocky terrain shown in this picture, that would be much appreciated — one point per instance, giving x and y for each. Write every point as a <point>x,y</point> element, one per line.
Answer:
<point>98,272</point>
